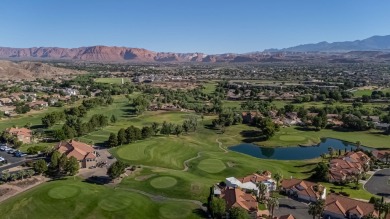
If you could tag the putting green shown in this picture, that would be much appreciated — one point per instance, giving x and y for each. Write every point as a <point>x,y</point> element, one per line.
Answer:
<point>163,182</point>
<point>291,138</point>
<point>116,202</point>
<point>211,165</point>
<point>173,211</point>
<point>63,192</point>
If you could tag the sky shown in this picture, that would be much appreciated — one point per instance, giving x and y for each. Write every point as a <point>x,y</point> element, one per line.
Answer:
<point>208,26</point>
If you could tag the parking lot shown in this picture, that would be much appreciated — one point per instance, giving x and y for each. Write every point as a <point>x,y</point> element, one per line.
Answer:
<point>12,160</point>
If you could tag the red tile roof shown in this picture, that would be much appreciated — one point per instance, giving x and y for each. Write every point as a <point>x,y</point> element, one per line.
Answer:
<point>343,205</point>
<point>235,197</point>
<point>20,132</point>
<point>76,149</point>
<point>303,187</point>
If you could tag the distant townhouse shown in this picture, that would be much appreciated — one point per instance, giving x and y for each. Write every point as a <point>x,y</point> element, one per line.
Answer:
<point>341,207</point>
<point>303,190</point>
<point>38,104</point>
<point>5,101</point>
<point>22,134</point>
<point>84,153</point>
<point>348,166</point>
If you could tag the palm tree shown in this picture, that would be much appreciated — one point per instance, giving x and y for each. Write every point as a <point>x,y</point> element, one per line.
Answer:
<point>386,209</point>
<point>317,208</point>
<point>262,190</point>
<point>358,144</point>
<point>313,210</point>
<point>277,177</point>
<point>387,156</point>
<point>272,203</point>
<point>331,151</point>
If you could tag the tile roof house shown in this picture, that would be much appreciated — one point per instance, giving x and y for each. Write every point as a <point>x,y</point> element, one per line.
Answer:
<point>247,117</point>
<point>84,153</point>
<point>289,216</point>
<point>346,167</point>
<point>235,197</point>
<point>250,182</point>
<point>304,190</point>
<point>382,155</point>
<point>22,134</point>
<point>340,207</point>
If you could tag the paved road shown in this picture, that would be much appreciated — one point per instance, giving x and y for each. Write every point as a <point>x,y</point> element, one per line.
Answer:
<point>378,184</point>
<point>291,206</point>
<point>12,160</point>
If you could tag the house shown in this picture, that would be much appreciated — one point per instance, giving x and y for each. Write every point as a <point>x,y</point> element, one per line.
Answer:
<point>340,207</point>
<point>5,101</point>
<point>84,153</point>
<point>348,166</point>
<point>247,117</point>
<point>38,105</point>
<point>304,190</point>
<point>289,216</point>
<point>22,134</point>
<point>382,155</point>
<point>235,197</point>
<point>250,183</point>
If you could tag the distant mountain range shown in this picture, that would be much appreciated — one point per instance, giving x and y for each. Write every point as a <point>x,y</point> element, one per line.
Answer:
<point>375,43</point>
<point>379,44</point>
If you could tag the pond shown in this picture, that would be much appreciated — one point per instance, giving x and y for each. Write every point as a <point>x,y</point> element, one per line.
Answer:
<point>295,152</point>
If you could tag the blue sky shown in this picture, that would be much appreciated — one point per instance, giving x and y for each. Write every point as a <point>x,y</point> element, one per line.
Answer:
<point>209,26</point>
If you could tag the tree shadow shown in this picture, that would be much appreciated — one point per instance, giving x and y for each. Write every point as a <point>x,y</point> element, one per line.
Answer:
<point>100,180</point>
<point>200,213</point>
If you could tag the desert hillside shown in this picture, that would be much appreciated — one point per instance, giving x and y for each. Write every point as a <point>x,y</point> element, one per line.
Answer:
<point>31,70</point>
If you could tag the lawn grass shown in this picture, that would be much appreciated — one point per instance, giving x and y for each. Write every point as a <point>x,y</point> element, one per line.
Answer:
<point>360,193</point>
<point>70,198</point>
<point>112,80</point>
<point>209,87</point>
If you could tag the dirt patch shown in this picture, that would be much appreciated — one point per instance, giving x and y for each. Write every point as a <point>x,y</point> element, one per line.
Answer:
<point>6,191</point>
<point>145,177</point>
<point>25,183</point>
<point>231,164</point>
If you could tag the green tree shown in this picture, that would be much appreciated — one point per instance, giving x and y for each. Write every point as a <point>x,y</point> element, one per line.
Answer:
<point>218,207</point>
<point>113,119</point>
<point>62,162</point>
<point>321,172</point>
<point>238,213</point>
<point>72,166</point>
<point>277,178</point>
<point>112,140</point>
<point>54,161</point>
<point>262,191</point>
<point>40,166</point>
<point>155,126</point>
<point>116,169</point>
<point>121,136</point>
<point>272,204</point>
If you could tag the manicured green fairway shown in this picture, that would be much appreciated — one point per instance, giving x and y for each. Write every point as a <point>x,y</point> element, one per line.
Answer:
<point>163,182</point>
<point>290,138</point>
<point>209,87</point>
<point>112,80</point>
<point>211,165</point>
<point>90,201</point>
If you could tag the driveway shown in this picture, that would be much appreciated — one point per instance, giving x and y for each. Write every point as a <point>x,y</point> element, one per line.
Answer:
<point>378,184</point>
<point>12,161</point>
<point>291,206</point>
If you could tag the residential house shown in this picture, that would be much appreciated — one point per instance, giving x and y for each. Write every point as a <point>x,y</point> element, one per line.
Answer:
<point>5,101</point>
<point>247,117</point>
<point>288,216</point>
<point>84,153</point>
<point>250,182</point>
<point>341,207</point>
<point>304,190</point>
<point>38,105</point>
<point>235,197</point>
<point>382,155</point>
<point>22,134</point>
<point>345,168</point>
